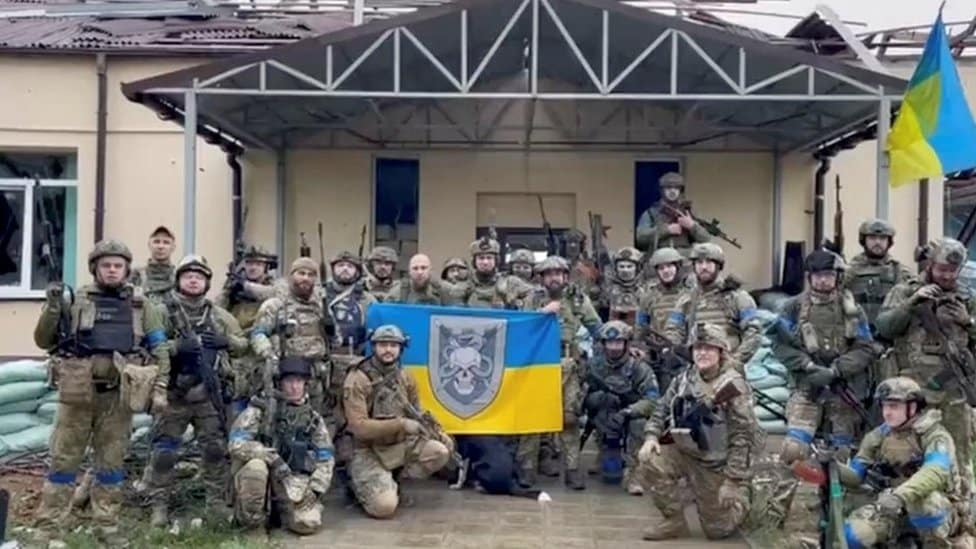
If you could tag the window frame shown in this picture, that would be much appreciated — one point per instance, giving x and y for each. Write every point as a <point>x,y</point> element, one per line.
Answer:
<point>24,291</point>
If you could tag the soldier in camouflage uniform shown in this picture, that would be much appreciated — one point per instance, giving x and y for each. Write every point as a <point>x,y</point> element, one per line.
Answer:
<point>822,338</point>
<point>914,453</point>
<point>281,440</point>
<point>574,309</point>
<point>455,270</point>
<point>707,411</point>
<point>201,336</point>
<point>621,394</point>
<point>390,446</point>
<point>381,265</point>
<point>487,288</point>
<point>622,288</point>
<point>521,264</point>
<point>918,316</point>
<point>156,277</point>
<point>659,298</point>
<point>583,274</point>
<point>419,288</point>
<point>110,325</point>
<point>658,229</point>
<point>295,325</point>
<point>873,273</point>
<point>717,299</point>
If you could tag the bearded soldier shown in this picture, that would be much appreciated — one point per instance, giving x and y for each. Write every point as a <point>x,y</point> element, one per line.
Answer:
<point>455,270</point>
<point>622,288</point>
<point>670,222</point>
<point>620,397</point>
<point>201,336</point>
<point>109,326</point>
<point>911,459</point>
<point>380,267</point>
<point>925,318</point>
<point>823,340</point>
<point>717,299</point>
<point>379,401</point>
<point>156,277</point>
<point>295,325</point>
<point>281,443</point>
<point>583,273</point>
<point>707,412</point>
<point>873,273</point>
<point>658,299</point>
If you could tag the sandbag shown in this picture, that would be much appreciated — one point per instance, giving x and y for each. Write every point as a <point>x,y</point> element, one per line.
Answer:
<point>51,396</point>
<point>141,420</point>
<point>140,433</point>
<point>755,370</point>
<point>21,390</point>
<point>24,406</point>
<point>763,414</point>
<point>47,411</point>
<point>769,382</point>
<point>13,423</point>
<point>28,440</point>
<point>778,394</point>
<point>23,370</point>
<point>776,367</point>
<point>773,427</point>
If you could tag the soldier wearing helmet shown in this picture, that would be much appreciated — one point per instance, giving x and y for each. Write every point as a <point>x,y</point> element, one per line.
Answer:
<point>872,273</point>
<point>670,223</point>
<point>455,270</point>
<point>622,287</point>
<point>248,285</point>
<point>380,401</point>
<point>913,459</point>
<point>708,412</point>
<point>486,287</point>
<point>291,458</point>
<point>823,336</point>
<point>202,338</point>
<point>381,281</point>
<point>920,317</point>
<point>717,299</point>
<point>574,310</point>
<point>621,395</point>
<point>108,326</point>
<point>666,283</point>
<point>521,263</point>
<point>347,301</point>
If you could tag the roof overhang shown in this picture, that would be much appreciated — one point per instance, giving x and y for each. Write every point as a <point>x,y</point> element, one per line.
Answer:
<point>578,73</point>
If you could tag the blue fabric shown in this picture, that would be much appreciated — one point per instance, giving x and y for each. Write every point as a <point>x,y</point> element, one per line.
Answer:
<point>651,392</point>
<point>927,522</point>
<point>677,318</point>
<point>884,428</point>
<point>939,459</point>
<point>747,314</point>
<point>851,537</point>
<point>841,440</point>
<point>238,435</point>
<point>259,330</point>
<point>860,467</point>
<point>786,323</point>
<point>61,477</point>
<point>240,405</point>
<point>643,319</point>
<point>799,434</point>
<point>166,444</point>
<point>111,477</point>
<point>864,331</point>
<point>154,338</point>
<point>323,454</point>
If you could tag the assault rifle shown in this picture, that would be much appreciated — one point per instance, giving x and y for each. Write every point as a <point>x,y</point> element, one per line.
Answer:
<point>593,416</point>
<point>960,366</point>
<point>234,283</point>
<point>552,244</point>
<point>322,268</point>
<point>205,369</point>
<point>843,391</point>
<point>362,242</point>
<point>430,429</point>
<point>304,250</point>
<point>822,471</point>
<point>54,270</point>
<point>598,232</point>
<point>693,414</point>
<point>837,244</point>
<point>712,227</point>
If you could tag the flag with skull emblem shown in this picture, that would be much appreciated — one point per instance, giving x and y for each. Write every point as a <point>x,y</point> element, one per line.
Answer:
<point>481,371</point>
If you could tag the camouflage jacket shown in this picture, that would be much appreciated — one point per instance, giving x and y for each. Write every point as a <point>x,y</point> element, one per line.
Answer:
<point>575,310</point>
<point>374,411</point>
<point>870,280</point>
<point>244,305</point>
<point>432,294</point>
<point>652,233</point>
<point>621,298</point>
<point>630,379</point>
<point>656,303</point>
<point>156,279</point>
<point>291,326</point>
<point>382,290</point>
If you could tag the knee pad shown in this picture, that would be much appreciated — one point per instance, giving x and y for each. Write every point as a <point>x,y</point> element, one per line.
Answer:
<point>306,520</point>
<point>793,450</point>
<point>440,455</point>
<point>382,504</point>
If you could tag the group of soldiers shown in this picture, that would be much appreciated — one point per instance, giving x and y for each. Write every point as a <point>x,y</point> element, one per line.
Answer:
<point>273,377</point>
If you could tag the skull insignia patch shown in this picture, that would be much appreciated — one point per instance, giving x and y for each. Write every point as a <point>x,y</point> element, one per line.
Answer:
<point>467,362</point>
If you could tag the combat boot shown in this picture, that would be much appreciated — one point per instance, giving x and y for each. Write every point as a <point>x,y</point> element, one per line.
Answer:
<point>667,528</point>
<point>634,486</point>
<point>160,516</point>
<point>526,477</point>
<point>574,479</point>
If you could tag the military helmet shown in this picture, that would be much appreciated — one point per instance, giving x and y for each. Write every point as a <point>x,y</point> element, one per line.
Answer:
<point>877,227</point>
<point>823,260</point>
<point>664,256</point>
<point>628,254</point>
<point>947,250</point>
<point>196,263</point>
<point>383,253</point>
<point>615,330</point>
<point>901,389</point>
<point>347,256</point>
<point>672,179</point>
<point>575,235</point>
<point>484,245</point>
<point>106,248</point>
<point>708,250</point>
<point>522,256</point>
<point>294,366</point>
<point>453,262</point>
<point>711,334</point>
<point>552,263</point>
<point>388,332</point>
<point>256,252</point>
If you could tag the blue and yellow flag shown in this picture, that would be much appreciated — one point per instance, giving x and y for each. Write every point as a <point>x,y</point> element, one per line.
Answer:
<point>481,371</point>
<point>935,133</point>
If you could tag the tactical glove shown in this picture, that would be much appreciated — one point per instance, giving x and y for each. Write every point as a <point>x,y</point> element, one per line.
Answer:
<point>212,340</point>
<point>890,505</point>
<point>280,469</point>
<point>617,421</point>
<point>650,448</point>
<point>54,293</point>
<point>819,376</point>
<point>187,346</point>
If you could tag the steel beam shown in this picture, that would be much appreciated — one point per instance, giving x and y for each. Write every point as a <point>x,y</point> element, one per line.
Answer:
<point>881,159</point>
<point>189,172</point>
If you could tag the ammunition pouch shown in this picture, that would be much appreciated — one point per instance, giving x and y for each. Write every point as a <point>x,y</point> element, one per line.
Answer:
<point>137,383</point>
<point>75,380</point>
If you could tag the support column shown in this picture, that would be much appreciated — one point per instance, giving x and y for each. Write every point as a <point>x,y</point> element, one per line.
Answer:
<point>189,172</point>
<point>280,178</point>
<point>777,218</point>
<point>881,156</point>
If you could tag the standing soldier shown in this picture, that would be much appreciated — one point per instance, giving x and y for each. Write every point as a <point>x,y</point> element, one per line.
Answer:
<point>925,318</point>
<point>380,401</point>
<point>707,412</point>
<point>281,446</point>
<point>622,288</point>
<point>109,323</point>
<point>670,223</point>
<point>419,288</point>
<point>201,337</point>
<point>658,299</point>
<point>519,285</point>
<point>873,273</point>
<point>455,270</point>
<point>521,263</point>
<point>620,397</point>
<point>295,325</point>
<point>381,265</point>
<point>583,273</point>
<point>823,339</point>
<point>156,277</point>
<point>486,288</point>
<point>717,299</point>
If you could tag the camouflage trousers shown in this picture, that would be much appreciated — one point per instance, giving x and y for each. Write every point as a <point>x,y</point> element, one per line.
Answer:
<point>105,425</point>
<point>933,519</point>
<point>166,444</point>
<point>539,453</point>
<point>572,385</point>
<point>662,476</point>
<point>251,506</point>
<point>373,483</point>
<point>804,417</point>
<point>957,418</point>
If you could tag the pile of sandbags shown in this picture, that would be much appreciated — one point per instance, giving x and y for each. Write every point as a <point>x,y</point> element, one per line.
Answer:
<point>768,376</point>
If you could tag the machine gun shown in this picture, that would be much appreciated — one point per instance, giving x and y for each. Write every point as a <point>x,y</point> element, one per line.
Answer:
<point>712,227</point>
<point>960,366</point>
<point>843,391</point>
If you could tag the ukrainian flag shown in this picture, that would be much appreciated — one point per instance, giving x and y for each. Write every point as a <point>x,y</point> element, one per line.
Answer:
<point>481,371</point>
<point>934,133</point>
